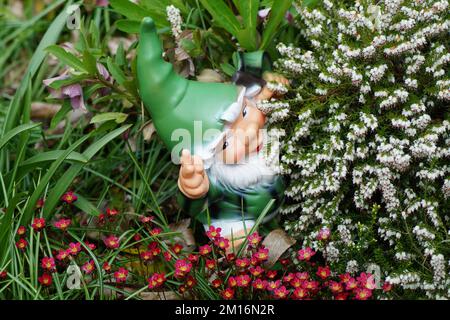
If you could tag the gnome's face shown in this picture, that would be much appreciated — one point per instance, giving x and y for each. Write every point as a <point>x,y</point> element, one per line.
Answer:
<point>244,137</point>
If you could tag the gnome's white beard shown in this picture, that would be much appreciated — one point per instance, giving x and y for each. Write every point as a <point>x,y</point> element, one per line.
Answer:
<point>252,171</point>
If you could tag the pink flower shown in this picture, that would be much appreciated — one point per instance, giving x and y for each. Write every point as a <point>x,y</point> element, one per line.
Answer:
<point>256,271</point>
<point>62,254</point>
<point>310,285</point>
<point>48,263</point>
<point>362,294</point>
<point>111,212</point>
<point>300,293</point>
<point>213,233</point>
<point>351,284</point>
<point>148,219</point>
<point>45,280</point>
<point>222,243</point>
<point>182,267</point>
<point>74,248</point>
<point>366,281</point>
<point>272,285</point>
<point>38,224</point>
<point>289,277</point>
<point>112,242</point>
<point>324,234</point>
<point>306,254</point>
<point>106,266</point>
<point>335,287</point>
<point>242,263</point>
<point>296,282</point>
<point>62,224</point>
<point>243,280</point>
<point>88,267</point>
<point>227,294</point>
<point>262,254</point>
<point>345,277</point>
<point>72,91</point>
<point>21,231</point>
<point>121,275</point>
<point>254,239</point>
<point>155,231</point>
<point>323,272</point>
<point>156,280</point>
<point>232,282</point>
<point>210,264</point>
<point>69,197</point>
<point>281,292</point>
<point>259,284</point>
<point>21,244</point>
<point>204,250</point>
<point>302,275</point>
<point>271,274</point>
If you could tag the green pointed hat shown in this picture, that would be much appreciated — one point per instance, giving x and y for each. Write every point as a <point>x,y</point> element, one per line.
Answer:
<point>178,105</point>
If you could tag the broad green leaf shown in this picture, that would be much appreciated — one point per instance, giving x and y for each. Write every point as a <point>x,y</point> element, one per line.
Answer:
<point>277,14</point>
<point>128,26</point>
<point>89,61</point>
<point>52,156</point>
<point>223,16</point>
<point>310,3</point>
<point>84,205</point>
<point>118,117</point>
<point>116,72</point>
<point>130,9</point>
<point>67,58</point>
<point>59,116</point>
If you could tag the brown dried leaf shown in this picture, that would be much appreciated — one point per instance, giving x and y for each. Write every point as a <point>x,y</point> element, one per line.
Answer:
<point>277,242</point>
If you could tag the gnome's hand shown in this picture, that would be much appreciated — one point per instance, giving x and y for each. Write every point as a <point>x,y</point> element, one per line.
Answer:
<point>267,93</point>
<point>193,180</point>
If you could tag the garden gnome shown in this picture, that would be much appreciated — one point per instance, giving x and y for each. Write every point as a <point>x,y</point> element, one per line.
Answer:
<point>224,180</point>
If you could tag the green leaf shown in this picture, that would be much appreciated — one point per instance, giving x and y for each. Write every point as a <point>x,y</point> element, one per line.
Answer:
<point>249,12</point>
<point>128,26</point>
<point>118,117</point>
<point>52,156</point>
<point>310,3</point>
<point>115,71</point>
<point>228,69</point>
<point>222,15</point>
<point>17,130</point>
<point>279,9</point>
<point>120,58</point>
<point>59,116</point>
<point>67,58</point>
<point>129,9</point>
<point>84,205</point>
<point>90,63</point>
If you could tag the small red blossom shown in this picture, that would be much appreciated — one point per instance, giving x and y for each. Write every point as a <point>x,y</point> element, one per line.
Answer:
<point>147,219</point>
<point>231,257</point>
<point>351,284</point>
<point>190,282</point>
<point>204,250</point>
<point>323,272</point>
<point>242,263</point>
<point>88,267</point>
<point>222,243</point>
<point>91,246</point>
<point>262,254</point>
<point>48,263</point>
<point>62,254</point>
<point>22,244</point>
<point>45,280</point>
<point>310,285</point>
<point>300,293</point>
<point>232,282</point>
<point>256,271</point>
<point>271,274</point>
<point>112,242</point>
<point>366,280</point>
<point>259,284</point>
<point>62,224</point>
<point>182,267</point>
<point>227,294</point>
<point>254,239</point>
<point>21,231</point>
<point>192,258</point>
<point>137,237</point>
<point>387,286</point>
<point>296,282</point>
<point>40,203</point>
<point>156,280</point>
<point>3,275</point>
<point>243,280</point>
<point>272,285</point>
<point>306,254</point>
<point>177,248</point>
<point>341,296</point>
<point>216,283</point>
<point>336,287</point>
<point>121,275</point>
<point>146,256</point>
<point>167,256</point>
<point>288,278</point>
<point>74,248</point>
<point>210,264</point>
<point>281,292</point>
<point>106,266</point>
<point>362,294</point>
<point>69,197</point>
<point>155,231</point>
<point>111,212</point>
<point>302,275</point>
<point>213,233</point>
<point>345,277</point>
<point>38,224</point>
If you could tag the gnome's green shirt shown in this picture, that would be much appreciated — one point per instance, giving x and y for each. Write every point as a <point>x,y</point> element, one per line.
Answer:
<point>226,204</point>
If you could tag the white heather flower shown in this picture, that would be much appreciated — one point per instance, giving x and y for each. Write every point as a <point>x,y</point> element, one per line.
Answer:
<point>174,17</point>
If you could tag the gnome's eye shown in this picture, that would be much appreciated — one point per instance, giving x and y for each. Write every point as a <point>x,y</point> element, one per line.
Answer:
<point>225,145</point>
<point>244,112</point>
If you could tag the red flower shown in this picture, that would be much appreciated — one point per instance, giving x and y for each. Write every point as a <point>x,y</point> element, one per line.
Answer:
<point>262,254</point>
<point>271,274</point>
<point>88,267</point>
<point>259,284</point>
<point>48,263</point>
<point>213,233</point>
<point>3,275</point>
<point>306,254</point>
<point>182,289</point>
<point>296,282</point>
<point>310,285</point>
<point>62,254</point>
<point>272,285</point>
<point>227,294</point>
<point>336,287</point>
<point>21,244</point>
<point>216,283</point>
<point>40,203</point>
<point>106,266</point>
<point>300,293</point>
<point>289,277</point>
<point>62,224</point>
<point>254,239</point>
<point>367,280</point>
<point>242,263</point>
<point>232,282</point>
<point>177,248</point>
<point>111,212</point>
<point>281,292</point>
<point>148,219</point>
<point>21,230</point>
<point>121,275</point>
<point>362,294</point>
<point>112,242</point>
<point>38,224</point>
<point>45,280</point>
<point>74,248</point>
<point>345,277</point>
<point>69,197</point>
<point>256,271</point>
<point>190,282</point>
<point>302,275</point>
<point>351,284</point>
<point>231,257</point>
<point>243,280</point>
<point>193,258</point>
<point>91,246</point>
<point>210,264</point>
<point>182,267</point>
<point>155,231</point>
<point>323,272</point>
<point>222,243</point>
<point>387,287</point>
<point>341,296</point>
<point>204,250</point>
<point>167,256</point>
<point>156,280</point>
<point>146,255</point>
